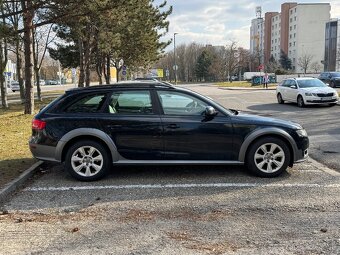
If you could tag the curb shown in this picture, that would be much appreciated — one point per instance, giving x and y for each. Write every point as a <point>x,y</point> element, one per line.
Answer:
<point>15,184</point>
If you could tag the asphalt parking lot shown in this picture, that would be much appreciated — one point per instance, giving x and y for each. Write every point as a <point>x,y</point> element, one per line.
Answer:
<point>181,209</point>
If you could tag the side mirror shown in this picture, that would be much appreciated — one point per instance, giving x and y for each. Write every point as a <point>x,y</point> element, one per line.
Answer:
<point>293,87</point>
<point>210,111</point>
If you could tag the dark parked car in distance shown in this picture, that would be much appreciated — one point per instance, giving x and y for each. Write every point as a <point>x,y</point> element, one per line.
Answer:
<point>91,129</point>
<point>331,78</point>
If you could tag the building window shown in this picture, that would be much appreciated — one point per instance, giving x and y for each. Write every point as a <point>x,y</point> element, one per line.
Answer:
<point>294,35</point>
<point>275,47</point>
<point>294,26</point>
<point>290,44</point>
<point>295,9</point>
<point>290,28</point>
<point>291,11</point>
<point>295,18</point>
<point>291,20</point>
<point>293,59</point>
<point>290,36</point>
<point>294,43</point>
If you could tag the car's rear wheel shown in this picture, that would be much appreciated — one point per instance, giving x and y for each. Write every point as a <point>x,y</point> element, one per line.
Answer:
<point>87,160</point>
<point>300,101</point>
<point>279,98</point>
<point>268,157</point>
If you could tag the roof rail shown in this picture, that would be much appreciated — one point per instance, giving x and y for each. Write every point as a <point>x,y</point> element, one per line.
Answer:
<point>125,84</point>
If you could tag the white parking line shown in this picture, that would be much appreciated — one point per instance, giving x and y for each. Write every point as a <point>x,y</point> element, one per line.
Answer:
<point>185,186</point>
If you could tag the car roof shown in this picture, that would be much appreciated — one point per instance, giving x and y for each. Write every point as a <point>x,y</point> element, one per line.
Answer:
<point>123,85</point>
<point>301,78</point>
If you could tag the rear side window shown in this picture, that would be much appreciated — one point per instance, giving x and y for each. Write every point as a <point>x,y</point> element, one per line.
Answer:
<point>131,102</point>
<point>87,104</point>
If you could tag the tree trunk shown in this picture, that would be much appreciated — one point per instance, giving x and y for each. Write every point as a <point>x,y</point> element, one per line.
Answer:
<point>3,63</point>
<point>19,73</point>
<point>36,68</point>
<point>108,70</point>
<point>81,65</point>
<point>37,78</point>
<point>28,15</point>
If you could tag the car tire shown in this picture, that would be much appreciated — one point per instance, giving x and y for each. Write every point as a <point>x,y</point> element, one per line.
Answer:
<point>279,98</point>
<point>87,160</point>
<point>268,157</point>
<point>300,101</point>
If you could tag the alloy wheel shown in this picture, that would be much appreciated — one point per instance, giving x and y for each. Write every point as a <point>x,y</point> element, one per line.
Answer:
<point>87,161</point>
<point>269,157</point>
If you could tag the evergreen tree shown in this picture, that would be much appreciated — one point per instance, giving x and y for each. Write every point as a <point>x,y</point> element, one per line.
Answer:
<point>203,64</point>
<point>285,62</point>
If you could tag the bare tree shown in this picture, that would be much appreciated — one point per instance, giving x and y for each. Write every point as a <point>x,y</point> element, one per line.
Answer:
<point>305,61</point>
<point>42,38</point>
<point>231,59</point>
<point>316,67</point>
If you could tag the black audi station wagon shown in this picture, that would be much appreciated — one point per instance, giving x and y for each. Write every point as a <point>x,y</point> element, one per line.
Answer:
<point>92,129</point>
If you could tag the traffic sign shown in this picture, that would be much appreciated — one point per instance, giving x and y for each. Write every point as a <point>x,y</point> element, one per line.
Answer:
<point>124,68</point>
<point>124,72</point>
<point>175,67</point>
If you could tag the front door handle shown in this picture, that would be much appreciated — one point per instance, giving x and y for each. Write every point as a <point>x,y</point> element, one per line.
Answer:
<point>172,126</point>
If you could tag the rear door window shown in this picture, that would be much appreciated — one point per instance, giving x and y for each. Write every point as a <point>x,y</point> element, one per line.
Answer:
<point>131,102</point>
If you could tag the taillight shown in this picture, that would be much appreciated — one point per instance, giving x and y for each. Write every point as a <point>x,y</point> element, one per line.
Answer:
<point>38,124</point>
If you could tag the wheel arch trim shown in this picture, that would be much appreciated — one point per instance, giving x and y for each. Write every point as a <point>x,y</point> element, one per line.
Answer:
<point>96,133</point>
<point>266,132</point>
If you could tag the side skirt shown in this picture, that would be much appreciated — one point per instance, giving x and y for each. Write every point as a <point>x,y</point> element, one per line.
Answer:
<point>177,162</point>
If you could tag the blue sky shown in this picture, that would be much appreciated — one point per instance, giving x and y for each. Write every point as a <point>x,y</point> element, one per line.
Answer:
<point>218,21</point>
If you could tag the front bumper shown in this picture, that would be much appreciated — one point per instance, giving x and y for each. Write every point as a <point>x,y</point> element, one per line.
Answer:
<point>321,100</point>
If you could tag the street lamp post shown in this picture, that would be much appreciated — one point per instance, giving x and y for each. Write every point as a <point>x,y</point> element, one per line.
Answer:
<point>175,66</point>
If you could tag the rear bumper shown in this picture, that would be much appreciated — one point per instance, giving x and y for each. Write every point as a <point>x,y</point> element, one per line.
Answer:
<point>43,152</point>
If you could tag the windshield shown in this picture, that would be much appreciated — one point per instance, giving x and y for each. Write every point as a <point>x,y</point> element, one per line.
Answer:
<point>311,83</point>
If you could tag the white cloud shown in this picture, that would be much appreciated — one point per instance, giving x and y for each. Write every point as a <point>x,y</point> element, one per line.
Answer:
<point>217,22</point>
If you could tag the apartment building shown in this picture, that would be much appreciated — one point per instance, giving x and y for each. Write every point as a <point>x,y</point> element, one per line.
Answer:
<point>332,46</point>
<point>257,37</point>
<point>298,30</point>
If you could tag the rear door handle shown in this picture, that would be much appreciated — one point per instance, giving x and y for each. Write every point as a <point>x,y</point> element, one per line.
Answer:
<point>172,126</point>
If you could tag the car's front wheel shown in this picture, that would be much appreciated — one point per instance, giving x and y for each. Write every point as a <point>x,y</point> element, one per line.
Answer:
<point>300,101</point>
<point>268,157</point>
<point>279,98</point>
<point>87,160</point>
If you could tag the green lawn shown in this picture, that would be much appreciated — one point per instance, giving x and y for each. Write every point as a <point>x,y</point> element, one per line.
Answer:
<point>15,130</point>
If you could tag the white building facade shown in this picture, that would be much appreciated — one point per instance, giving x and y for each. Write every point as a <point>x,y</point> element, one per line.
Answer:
<point>307,23</point>
<point>276,37</point>
<point>257,37</point>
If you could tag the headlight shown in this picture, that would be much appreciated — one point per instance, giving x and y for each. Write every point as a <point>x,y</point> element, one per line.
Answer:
<point>301,132</point>
<point>308,94</point>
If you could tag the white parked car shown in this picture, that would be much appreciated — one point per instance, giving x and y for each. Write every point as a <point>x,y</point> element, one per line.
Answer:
<point>306,91</point>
